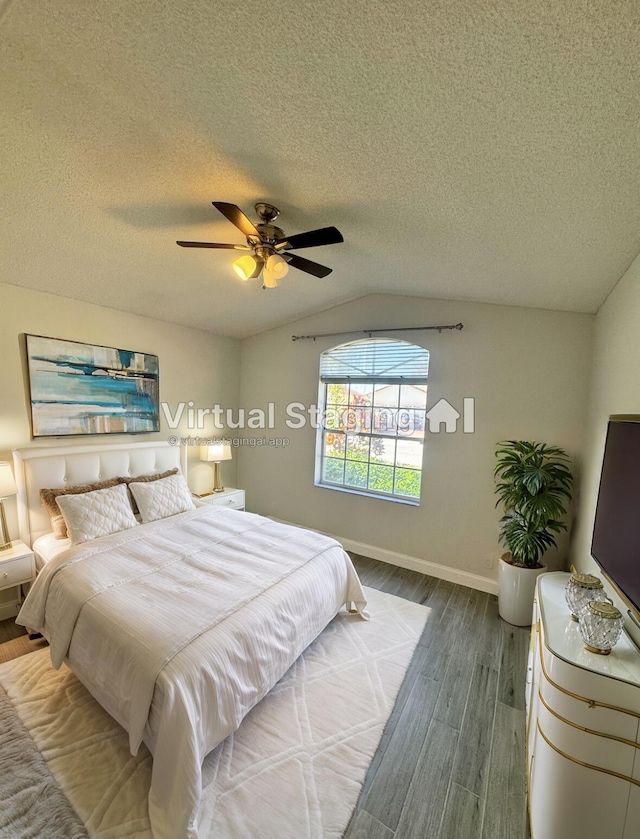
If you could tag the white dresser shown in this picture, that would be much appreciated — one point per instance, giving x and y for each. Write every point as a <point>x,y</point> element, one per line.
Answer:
<point>583,728</point>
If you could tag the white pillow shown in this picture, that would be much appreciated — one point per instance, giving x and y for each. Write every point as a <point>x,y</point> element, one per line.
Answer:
<point>162,498</point>
<point>98,513</point>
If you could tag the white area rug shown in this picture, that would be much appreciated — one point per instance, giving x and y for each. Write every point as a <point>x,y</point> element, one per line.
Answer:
<point>294,768</point>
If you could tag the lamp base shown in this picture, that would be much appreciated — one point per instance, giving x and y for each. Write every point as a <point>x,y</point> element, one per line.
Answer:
<point>4,531</point>
<point>217,484</point>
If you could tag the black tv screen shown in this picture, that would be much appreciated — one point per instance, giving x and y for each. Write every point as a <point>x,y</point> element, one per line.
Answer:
<point>616,532</point>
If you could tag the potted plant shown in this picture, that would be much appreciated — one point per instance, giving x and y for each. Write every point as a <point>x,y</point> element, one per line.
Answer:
<point>533,483</point>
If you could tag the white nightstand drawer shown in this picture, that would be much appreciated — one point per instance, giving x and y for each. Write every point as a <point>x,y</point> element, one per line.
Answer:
<point>236,501</point>
<point>16,571</point>
<point>233,498</point>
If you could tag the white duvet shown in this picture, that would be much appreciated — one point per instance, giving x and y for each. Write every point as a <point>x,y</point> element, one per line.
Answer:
<point>179,627</point>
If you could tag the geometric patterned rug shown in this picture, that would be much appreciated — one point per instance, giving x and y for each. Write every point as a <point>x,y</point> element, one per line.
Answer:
<point>294,768</point>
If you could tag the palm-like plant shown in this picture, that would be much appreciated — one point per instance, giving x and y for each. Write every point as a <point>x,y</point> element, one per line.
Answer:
<point>534,485</point>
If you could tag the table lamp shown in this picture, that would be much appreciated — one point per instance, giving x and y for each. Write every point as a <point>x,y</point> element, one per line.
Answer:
<point>215,454</point>
<point>7,488</point>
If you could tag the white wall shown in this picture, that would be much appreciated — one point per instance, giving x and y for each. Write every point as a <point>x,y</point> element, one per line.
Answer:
<point>615,389</point>
<point>527,370</point>
<point>194,365</point>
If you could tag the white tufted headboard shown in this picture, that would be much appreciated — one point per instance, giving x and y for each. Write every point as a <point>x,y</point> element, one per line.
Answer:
<point>36,468</point>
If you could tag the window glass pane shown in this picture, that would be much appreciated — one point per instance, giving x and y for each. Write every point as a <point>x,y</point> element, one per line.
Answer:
<point>404,421</point>
<point>387,395</point>
<point>333,470</point>
<point>419,424</point>
<point>350,419</point>
<point>355,474</point>
<point>381,478</point>
<point>383,450</point>
<point>334,444</point>
<point>360,393</point>
<point>362,419</point>
<point>413,396</point>
<point>357,447</point>
<point>408,483</point>
<point>337,393</point>
<point>409,453</point>
<point>411,422</point>
<point>384,421</point>
<point>336,416</point>
<point>332,416</point>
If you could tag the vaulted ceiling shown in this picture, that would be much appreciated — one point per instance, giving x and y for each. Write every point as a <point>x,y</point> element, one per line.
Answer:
<point>475,149</point>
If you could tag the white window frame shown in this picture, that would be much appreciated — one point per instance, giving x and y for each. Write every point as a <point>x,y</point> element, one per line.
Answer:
<point>373,380</point>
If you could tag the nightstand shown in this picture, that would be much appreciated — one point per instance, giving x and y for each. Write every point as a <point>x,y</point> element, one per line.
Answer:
<point>229,497</point>
<point>17,566</point>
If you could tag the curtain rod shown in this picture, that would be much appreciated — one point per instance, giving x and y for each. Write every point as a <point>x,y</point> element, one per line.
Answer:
<point>371,332</point>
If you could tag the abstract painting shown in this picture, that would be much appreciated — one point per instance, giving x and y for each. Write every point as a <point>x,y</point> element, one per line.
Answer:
<point>87,389</point>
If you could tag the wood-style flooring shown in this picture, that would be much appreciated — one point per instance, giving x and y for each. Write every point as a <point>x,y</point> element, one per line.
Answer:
<point>451,761</point>
<point>15,642</point>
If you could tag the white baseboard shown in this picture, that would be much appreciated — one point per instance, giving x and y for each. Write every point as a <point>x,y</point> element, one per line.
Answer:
<point>9,610</point>
<point>414,563</point>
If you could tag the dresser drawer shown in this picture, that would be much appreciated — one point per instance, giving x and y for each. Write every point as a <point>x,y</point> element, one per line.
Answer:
<point>16,571</point>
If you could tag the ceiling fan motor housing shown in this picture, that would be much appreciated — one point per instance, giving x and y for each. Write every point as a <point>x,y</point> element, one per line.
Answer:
<point>269,234</point>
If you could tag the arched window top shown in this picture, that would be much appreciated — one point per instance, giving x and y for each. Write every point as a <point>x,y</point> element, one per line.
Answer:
<point>384,359</point>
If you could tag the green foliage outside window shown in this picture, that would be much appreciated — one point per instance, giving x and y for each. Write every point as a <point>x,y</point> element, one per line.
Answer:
<point>378,476</point>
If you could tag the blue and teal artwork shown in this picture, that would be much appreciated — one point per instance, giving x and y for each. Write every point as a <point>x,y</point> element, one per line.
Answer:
<point>88,389</point>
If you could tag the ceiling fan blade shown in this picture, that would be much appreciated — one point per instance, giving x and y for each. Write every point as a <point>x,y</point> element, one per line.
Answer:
<point>258,269</point>
<point>213,245</point>
<point>237,217</point>
<point>311,239</point>
<point>307,265</point>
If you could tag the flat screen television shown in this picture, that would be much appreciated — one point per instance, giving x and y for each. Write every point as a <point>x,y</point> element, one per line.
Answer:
<point>616,532</point>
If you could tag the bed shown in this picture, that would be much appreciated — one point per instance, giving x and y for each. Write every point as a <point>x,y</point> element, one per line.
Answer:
<point>178,626</point>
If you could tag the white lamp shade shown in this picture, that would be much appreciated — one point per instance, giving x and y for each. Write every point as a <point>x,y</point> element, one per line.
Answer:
<point>7,484</point>
<point>215,453</point>
<point>245,266</point>
<point>275,269</point>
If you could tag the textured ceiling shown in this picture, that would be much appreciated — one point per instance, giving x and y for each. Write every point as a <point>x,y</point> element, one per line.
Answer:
<point>474,149</point>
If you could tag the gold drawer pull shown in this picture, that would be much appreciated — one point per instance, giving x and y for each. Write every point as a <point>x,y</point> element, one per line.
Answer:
<point>4,576</point>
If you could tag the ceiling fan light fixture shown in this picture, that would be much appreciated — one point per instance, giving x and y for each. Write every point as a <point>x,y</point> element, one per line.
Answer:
<point>274,270</point>
<point>245,266</point>
<point>277,265</point>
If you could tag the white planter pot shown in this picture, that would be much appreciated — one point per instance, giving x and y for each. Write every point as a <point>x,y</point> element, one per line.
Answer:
<point>516,587</point>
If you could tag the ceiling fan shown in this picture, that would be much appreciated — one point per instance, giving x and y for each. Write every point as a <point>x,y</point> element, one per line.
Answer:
<point>268,246</point>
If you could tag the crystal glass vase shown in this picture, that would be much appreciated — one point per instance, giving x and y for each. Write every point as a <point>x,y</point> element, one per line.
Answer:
<point>600,627</point>
<point>580,590</point>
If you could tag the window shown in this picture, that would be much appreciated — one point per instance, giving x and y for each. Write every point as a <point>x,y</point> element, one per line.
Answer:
<point>373,394</point>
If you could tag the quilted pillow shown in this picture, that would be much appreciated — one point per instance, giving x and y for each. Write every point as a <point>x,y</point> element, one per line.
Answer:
<point>98,513</point>
<point>156,476</point>
<point>159,499</point>
<point>49,499</point>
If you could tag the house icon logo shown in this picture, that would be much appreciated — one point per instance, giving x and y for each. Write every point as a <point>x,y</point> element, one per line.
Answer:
<point>443,413</point>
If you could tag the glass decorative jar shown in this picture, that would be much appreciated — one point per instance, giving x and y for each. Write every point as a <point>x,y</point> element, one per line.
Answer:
<point>581,590</point>
<point>600,627</point>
